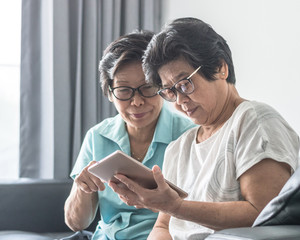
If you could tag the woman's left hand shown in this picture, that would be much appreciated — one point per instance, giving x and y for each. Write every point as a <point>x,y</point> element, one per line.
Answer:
<point>163,198</point>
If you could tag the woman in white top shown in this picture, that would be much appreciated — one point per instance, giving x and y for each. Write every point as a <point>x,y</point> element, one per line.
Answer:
<point>233,163</point>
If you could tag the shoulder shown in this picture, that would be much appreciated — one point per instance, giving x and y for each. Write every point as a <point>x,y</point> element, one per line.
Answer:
<point>259,117</point>
<point>111,128</point>
<point>106,124</point>
<point>260,111</point>
<point>258,131</point>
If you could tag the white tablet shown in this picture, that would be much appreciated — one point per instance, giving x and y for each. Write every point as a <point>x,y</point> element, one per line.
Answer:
<point>119,162</point>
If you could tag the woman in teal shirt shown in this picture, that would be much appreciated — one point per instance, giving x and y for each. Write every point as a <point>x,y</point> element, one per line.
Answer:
<point>143,129</point>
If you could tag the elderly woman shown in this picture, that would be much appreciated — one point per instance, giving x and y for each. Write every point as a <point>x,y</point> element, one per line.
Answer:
<point>234,162</point>
<point>143,129</point>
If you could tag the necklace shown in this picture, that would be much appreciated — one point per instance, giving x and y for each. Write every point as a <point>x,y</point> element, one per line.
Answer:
<point>141,156</point>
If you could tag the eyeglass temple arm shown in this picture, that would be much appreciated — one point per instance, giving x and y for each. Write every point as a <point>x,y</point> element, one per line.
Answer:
<point>194,72</point>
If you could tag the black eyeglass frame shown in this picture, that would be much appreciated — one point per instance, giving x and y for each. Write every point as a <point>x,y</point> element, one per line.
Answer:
<point>111,89</point>
<point>175,90</point>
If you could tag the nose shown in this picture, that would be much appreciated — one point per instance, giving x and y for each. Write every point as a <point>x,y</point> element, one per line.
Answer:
<point>181,98</point>
<point>137,99</point>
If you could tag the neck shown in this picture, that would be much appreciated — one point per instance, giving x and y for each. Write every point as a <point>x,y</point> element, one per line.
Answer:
<point>140,140</point>
<point>230,104</point>
<point>143,134</point>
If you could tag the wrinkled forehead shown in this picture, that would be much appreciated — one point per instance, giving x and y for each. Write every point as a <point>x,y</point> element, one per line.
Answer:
<point>174,71</point>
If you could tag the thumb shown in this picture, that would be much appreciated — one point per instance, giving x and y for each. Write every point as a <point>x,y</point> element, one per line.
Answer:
<point>158,176</point>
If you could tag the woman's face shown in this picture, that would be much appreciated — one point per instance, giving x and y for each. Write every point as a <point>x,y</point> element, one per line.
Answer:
<point>205,104</point>
<point>139,111</point>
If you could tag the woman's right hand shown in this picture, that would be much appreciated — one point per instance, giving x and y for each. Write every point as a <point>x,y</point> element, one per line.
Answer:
<point>87,182</point>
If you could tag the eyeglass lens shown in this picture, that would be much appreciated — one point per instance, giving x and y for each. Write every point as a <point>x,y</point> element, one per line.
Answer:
<point>184,86</point>
<point>125,93</point>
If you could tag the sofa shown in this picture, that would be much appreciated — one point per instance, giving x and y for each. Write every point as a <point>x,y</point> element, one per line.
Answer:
<point>33,209</point>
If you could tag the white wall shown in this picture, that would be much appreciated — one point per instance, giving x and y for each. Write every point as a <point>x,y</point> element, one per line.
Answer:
<point>264,37</point>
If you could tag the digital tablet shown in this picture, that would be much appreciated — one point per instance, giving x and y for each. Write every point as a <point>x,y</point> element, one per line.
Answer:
<point>119,162</point>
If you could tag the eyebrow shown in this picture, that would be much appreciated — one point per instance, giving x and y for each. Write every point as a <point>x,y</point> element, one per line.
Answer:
<point>121,81</point>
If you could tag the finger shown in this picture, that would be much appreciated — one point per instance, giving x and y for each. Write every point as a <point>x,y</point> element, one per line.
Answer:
<point>121,189</point>
<point>90,183</point>
<point>130,184</point>
<point>158,177</point>
<point>98,182</point>
<point>93,182</point>
<point>138,206</point>
<point>129,202</point>
<point>84,187</point>
<point>85,183</point>
<point>127,196</point>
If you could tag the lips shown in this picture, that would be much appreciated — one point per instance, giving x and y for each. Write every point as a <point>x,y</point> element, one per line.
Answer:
<point>189,112</point>
<point>139,115</point>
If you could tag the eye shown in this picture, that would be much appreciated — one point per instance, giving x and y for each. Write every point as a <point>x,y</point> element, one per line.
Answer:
<point>123,90</point>
<point>147,87</point>
<point>167,91</point>
<point>182,86</point>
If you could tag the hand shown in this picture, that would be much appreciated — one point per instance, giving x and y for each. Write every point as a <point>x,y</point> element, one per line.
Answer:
<point>163,198</point>
<point>87,182</point>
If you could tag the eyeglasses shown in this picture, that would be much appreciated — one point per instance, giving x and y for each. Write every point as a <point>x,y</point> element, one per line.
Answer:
<point>126,93</point>
<point>184,86</point>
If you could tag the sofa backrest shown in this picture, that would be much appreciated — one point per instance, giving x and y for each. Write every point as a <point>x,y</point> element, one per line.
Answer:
<point>33,205</point>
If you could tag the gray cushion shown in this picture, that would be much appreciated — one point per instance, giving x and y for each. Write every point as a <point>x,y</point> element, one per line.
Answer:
<point>20,235</point>
<point>285,208</point>
<point>258,233</point>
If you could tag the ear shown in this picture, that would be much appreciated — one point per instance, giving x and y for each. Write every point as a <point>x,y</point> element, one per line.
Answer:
<point>223,71</point>
<point>110,96</point>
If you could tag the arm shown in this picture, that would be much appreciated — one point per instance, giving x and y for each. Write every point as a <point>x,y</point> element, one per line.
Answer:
<point>82,203</point>
<point>258,185</point>
<point>161,228</point>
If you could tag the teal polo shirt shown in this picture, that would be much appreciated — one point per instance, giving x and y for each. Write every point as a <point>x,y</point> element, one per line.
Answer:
<point>119,221</point>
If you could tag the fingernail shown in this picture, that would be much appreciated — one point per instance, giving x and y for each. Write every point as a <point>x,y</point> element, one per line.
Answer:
<point>156,169</point>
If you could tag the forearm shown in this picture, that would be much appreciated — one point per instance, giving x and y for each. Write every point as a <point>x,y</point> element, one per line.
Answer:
<point>217,215</point>
<point>80,209</point>
<point>158,233</point>
<point>160,230</point>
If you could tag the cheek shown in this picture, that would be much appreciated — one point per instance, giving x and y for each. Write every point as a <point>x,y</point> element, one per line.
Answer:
<point>157,101</point>
<point>120,106</point>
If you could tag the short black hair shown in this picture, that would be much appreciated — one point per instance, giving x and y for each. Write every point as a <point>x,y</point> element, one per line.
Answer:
<point>193,40</point>
<point>128,48</point>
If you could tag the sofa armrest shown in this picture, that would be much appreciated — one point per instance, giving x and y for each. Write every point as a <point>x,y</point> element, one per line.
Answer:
<point>279,232</point>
